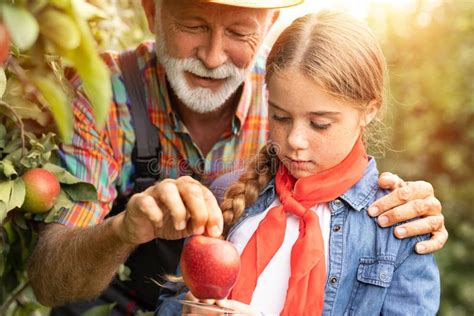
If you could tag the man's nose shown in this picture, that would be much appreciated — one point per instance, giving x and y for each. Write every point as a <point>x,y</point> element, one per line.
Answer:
<point>213,53</point>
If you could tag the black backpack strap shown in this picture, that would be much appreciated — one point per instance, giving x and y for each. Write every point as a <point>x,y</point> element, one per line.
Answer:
<point>146,153</point>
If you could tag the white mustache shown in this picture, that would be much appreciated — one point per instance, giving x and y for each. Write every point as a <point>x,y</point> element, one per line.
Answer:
<point>197,68</point>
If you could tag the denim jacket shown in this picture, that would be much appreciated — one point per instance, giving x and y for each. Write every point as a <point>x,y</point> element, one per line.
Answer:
<point>370,271</point>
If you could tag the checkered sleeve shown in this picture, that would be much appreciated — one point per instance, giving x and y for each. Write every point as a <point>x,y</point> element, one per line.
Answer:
<point>96,156</point>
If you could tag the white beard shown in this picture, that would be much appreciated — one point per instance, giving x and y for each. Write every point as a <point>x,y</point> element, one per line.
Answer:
<point>198,99</point>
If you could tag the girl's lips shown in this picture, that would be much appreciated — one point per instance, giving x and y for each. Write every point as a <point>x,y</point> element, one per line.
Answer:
<point>299,164</point>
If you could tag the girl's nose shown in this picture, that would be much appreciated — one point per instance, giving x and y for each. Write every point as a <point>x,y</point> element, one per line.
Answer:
<point>297,138</point>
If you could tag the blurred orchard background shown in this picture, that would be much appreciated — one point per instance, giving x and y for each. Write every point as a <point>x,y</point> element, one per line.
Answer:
<point>429,45</point>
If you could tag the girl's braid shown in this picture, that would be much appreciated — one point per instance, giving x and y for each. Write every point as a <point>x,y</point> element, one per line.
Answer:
<point>244,192</point>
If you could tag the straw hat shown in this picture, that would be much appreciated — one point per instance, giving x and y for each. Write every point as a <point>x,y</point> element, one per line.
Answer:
<point>267,4</point>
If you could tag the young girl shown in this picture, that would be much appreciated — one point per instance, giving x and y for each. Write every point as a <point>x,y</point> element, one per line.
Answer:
<point>298,215</point>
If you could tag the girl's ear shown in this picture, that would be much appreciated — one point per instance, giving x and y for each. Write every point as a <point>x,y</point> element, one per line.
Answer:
<point>370,112</point>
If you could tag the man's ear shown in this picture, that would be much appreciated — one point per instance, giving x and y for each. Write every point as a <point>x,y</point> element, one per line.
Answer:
<point>370,112</point>
<point>275,15</point>
<point>150,11</point>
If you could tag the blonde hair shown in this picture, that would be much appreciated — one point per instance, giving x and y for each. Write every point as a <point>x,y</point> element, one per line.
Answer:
<point>337,52</point>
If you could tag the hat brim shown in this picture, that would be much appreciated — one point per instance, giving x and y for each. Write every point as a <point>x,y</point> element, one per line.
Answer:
<point>258,4</point>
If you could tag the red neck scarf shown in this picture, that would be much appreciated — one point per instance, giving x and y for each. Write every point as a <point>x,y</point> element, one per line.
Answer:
<point>305,294</point>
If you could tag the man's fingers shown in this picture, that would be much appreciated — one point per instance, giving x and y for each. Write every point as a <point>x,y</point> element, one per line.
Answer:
<point>410,210</point>
<point>390,181</point>
<point>169,197</point>
<point>420,226</point>
<point>436,242</point>
<point>215,221</point>
<point>192,194</point>
<point>147,205</point>
<point>411,191</point>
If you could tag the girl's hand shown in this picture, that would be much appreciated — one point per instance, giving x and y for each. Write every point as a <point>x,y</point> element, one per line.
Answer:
<point>235,306</point>
<point>238,307</point>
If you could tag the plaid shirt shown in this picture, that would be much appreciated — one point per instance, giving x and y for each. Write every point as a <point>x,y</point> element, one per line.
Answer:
<point>103,156</point>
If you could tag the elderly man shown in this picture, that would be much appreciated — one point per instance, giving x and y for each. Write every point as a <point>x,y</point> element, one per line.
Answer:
<point>205,98</point>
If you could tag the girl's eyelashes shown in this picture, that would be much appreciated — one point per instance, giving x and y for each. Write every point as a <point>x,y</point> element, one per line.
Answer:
<point>320,126</point>
<point>281,119</point>
<point>287,119</point>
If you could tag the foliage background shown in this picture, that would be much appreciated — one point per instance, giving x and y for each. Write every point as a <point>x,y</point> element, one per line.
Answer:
<point>430,52</point>
<point>430,122</point>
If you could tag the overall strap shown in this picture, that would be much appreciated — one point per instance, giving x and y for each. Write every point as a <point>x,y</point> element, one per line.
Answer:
<point>146,153</point>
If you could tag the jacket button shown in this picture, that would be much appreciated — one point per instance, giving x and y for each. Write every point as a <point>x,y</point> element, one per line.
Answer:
<point>336,228</point>
<point>384,277</point>
<point>333,280</point>
<point>337,203</point>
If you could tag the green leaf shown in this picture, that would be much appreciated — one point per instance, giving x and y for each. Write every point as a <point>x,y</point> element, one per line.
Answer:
<point>81,191</point>
<point>76,189</point>
<point>38,5</point>
<point>31,160</point>
<point>18,194</point>
<point>91,68</point>
<point>58,104</point>
<point>59,28</point>
<point>61,174</point>
<point>61,4</point>
<point>3,82</point>
<point>3,137</point>
<point>21,24</point>
<point>7,168</point>
<point>102,310</point>
<point>12,193</point>
<point>89,12</point>
<point>19,219</point>
<point>3,211</point>
<point>124,273</point>
<point>14,96</point>
<point>63,200</point>
<point>5,190</point>
<point>12,146</point>
<point>48,142</point>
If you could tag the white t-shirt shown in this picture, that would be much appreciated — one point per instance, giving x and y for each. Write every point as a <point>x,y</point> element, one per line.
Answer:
<point>270,292</point>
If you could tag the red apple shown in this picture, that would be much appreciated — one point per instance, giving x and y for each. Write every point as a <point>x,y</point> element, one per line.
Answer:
<point>210,267</point>
<point>4,44</point>
<point>42,189</point>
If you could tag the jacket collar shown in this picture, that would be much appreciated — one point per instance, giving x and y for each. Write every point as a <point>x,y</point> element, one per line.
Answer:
<point>358,196</point>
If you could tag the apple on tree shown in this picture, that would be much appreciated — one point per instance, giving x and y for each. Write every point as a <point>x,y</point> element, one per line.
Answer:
<point>42,189</point>
<point>210,267</point>
<point>4,44</point>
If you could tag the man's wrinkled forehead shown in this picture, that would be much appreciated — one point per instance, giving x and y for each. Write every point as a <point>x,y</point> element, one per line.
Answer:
<point>208,5</point>
<point>255,4</point>
<point>212,12</point>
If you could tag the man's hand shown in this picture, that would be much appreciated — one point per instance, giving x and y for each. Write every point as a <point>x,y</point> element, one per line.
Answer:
<point>171,209</point>
<point>407,201</point>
